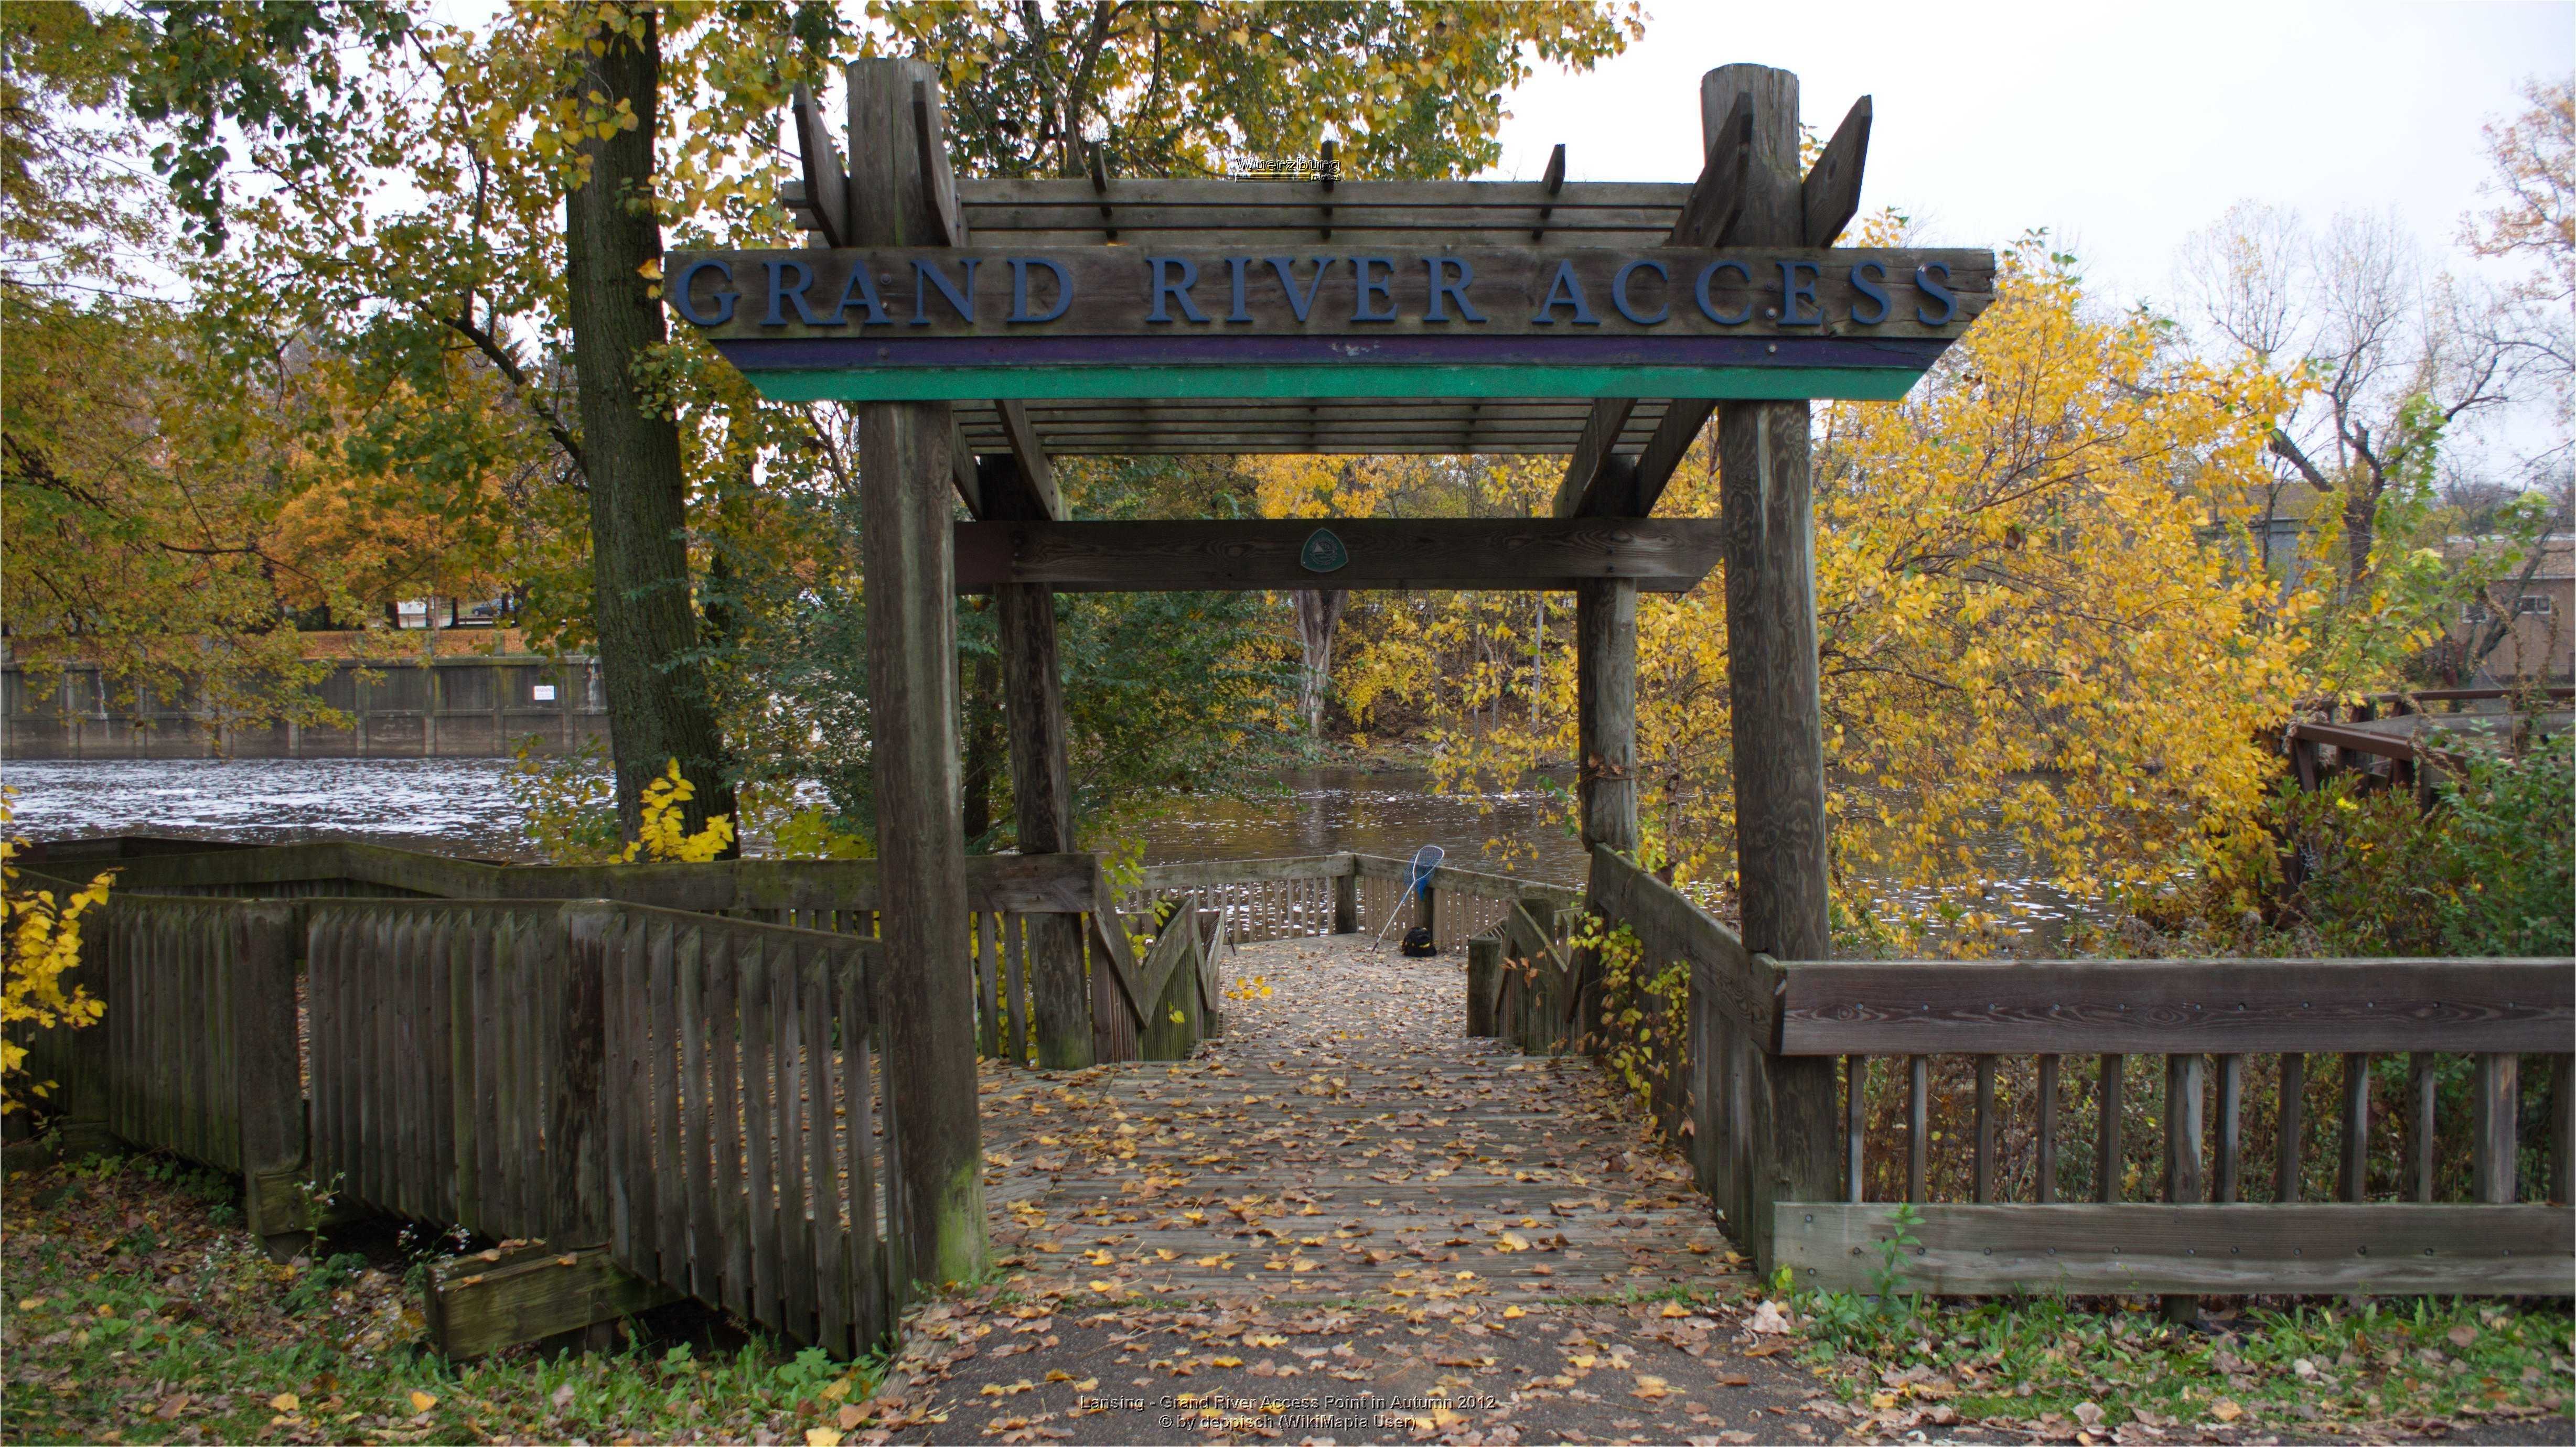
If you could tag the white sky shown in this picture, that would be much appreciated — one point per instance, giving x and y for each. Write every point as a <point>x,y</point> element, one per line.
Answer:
<point>2122,126</point>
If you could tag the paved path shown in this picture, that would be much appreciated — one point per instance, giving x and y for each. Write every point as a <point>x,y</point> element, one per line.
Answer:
<point>1344,1220</point>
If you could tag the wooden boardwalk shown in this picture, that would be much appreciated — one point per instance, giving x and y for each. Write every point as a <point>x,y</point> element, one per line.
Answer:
<point>1344,1138</point>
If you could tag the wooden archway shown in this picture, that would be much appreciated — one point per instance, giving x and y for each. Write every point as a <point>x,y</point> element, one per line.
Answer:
<point>983,326</point>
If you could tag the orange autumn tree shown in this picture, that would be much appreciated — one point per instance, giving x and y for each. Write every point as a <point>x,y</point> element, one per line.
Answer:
<point>2033,619</point>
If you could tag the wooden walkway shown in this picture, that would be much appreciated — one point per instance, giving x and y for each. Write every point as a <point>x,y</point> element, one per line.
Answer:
<point>1344,1138</point>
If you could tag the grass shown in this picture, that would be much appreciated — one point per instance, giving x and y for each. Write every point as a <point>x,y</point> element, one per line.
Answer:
<point>133,1308</point>
<point>2301,1369</point>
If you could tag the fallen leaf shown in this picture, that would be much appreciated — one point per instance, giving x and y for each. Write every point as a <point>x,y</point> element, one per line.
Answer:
<point>2464,1335</point>
<point>282,1402</point>
<point>2225,1410</point>
<point>1650,1388</point>
<point>422,1401</point>
<point>850,1416</point>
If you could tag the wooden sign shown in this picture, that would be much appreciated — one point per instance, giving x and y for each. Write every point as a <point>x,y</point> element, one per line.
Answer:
<point>1117,321</point>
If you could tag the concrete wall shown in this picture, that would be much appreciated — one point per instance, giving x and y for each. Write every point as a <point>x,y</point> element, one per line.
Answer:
<point>447,708</point>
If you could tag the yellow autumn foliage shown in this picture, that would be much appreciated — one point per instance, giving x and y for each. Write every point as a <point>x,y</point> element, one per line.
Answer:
<point>40,940</point>
<point>2035,624</point>
<point>664,837</point>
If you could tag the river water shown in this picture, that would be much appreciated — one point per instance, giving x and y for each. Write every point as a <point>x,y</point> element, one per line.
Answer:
<point>460,806</point>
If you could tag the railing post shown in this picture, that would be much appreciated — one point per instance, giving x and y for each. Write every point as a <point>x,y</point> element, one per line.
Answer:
<point>268,943</point>
<point>1346,894</point>
<point>2492,1159</point>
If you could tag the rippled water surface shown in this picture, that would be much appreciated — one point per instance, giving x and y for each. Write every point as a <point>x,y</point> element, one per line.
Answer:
<point>460,806</point>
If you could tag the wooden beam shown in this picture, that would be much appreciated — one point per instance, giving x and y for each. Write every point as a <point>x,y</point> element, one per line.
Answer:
<point>969,483</point>
<point>1591,486</point>
<point>477,1305</point>
<point>1830,196</point>
<point>2166,1007</point>
<point>1545,554</point>
<point>827,186</point>
<point>1717,197</point>
<point>1554,181</point>
<point>938,175</point>
<point>1671,442</point>
<point>1035,478</point>
<point>2378,1249</point>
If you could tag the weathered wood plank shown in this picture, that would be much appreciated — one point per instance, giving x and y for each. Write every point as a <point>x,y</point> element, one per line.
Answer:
<point>2231,1128</point>
<point>2289,1154</point>
<point>691,1154</point>
<point>2378,1249</point>
<point>760,1121</point>
<point>1830,196</point>
<point>1918,1126</point>
<point>478,1305</point>
<point>1605,705</point>
<point>732,1216</point>
<point>1985,1127</point>
<point>795,1220</point>
<point>2047,1142</point>
<point>2492,1146</point>
<point>822,1170</point>
<point>2110,1162</point>
<point>1596,479</point>
<point>2420,1136</point>
<point>2353,1178</point>
<point>2170,1006</point>
<point>1553,554</point>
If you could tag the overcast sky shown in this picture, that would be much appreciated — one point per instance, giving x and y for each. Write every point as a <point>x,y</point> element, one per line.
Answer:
<point>2122,127</point>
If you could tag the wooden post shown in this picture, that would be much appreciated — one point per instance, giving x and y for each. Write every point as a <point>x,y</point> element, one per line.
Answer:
<point>2185,1183</point>
<point>1779,754</point>
<point>268,940</point>
<point>576,954</point>
<point>2492,1152</point>
<point>1346,895</point>
<point>1042,799</point>
<point>909,568</point>
<point>1605,703</point>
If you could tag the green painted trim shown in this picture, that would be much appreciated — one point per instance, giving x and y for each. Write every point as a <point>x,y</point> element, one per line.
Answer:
<point>957,384</point>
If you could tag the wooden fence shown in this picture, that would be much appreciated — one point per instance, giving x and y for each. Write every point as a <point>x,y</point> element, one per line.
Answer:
<point>2235,1038</point>
<point>1321,894</point>
<point>1017,900</point>
<point>694,1094</point>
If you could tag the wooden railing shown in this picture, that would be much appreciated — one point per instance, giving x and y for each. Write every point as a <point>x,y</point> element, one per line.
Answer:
<point>1009,895</point>
<point>1803,1166</point>
<point>1321,894</point>
<point>691,1094</point>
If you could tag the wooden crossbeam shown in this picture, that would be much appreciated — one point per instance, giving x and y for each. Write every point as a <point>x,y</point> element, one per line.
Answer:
<point>827,186</point>
<point>1035,476</point>
<point>1593,485</point>
<point>1515,554</point>
<point>1583,492</point>
<point>1830,196</point>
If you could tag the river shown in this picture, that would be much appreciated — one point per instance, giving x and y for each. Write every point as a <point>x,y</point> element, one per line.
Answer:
<point>461,806</point>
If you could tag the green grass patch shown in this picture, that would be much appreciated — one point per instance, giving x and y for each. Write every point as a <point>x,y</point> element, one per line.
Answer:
<point>136,1310</point>
<point>2299,1369</point>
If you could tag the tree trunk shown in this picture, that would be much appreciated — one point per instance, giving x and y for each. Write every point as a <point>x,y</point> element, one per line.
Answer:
<point>659,705</point>
<point>1319,612</point>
